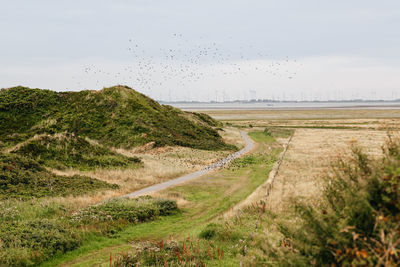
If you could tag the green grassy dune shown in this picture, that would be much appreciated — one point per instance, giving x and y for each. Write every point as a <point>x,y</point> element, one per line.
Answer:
<point>62,151</point>
<point>24,178</point>
<point>116,116</point>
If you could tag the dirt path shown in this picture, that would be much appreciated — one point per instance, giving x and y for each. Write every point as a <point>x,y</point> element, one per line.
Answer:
<point>157,187</point>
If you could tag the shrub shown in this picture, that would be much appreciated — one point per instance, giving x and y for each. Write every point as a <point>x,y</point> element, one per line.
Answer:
<point>245,161</point>
<point>131,210</point>
<point>358,221</point>
<point>267,132</point>
<point>207,233</point>
<point>29,242</point>
<point>278,132</point>
<point>219,232</point>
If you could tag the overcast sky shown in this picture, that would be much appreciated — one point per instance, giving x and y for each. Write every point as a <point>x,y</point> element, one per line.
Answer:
<point>205,50</point>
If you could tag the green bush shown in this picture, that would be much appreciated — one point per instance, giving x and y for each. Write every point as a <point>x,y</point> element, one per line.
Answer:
<point>267,132</point>
<point>29,242</point>
<point>244,162</point>
<point>131,210</point>
<point>219,232</point>
<point>207,233</point>
<point>278,132</point>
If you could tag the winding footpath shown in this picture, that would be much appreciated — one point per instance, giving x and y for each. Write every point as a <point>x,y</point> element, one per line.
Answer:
<point>249,145</point>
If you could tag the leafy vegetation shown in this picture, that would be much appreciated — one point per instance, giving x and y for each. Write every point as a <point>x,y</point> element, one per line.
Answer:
<point>36,230</point>
<point>134,210</point>
<point>29,242</point>
<point>24,178</point>
<point>117,116</point>
<point>217,231</point>
<point>62,151</point>
<point>250,160</point>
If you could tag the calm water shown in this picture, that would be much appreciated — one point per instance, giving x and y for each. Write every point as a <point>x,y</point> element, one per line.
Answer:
<point>289,105</point>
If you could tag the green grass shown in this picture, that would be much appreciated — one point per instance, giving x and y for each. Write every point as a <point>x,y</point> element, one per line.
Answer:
<point>37,230</point>
<point>208,197</point>
<point>24,178</point>
<point>117,116</point>
<point>63,151</point>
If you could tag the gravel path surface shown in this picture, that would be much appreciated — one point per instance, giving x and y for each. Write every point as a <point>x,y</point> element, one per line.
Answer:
<point>157,187</point>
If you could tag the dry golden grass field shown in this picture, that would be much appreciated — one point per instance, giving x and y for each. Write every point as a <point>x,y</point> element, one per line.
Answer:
<point>320,136</point>
<point>303,114</point>
<point>308,159</point>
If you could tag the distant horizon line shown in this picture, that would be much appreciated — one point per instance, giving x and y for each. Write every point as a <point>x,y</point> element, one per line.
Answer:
<point>277,101</point>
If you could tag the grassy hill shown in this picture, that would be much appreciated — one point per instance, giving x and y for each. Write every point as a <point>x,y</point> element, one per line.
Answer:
<point>117,116</point>
<point>78,130</point>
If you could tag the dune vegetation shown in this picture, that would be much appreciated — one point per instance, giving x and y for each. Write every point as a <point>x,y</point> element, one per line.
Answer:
<point>116,116</point>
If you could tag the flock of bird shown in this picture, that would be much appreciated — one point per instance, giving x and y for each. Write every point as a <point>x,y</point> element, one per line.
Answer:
<point>181,64</point>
